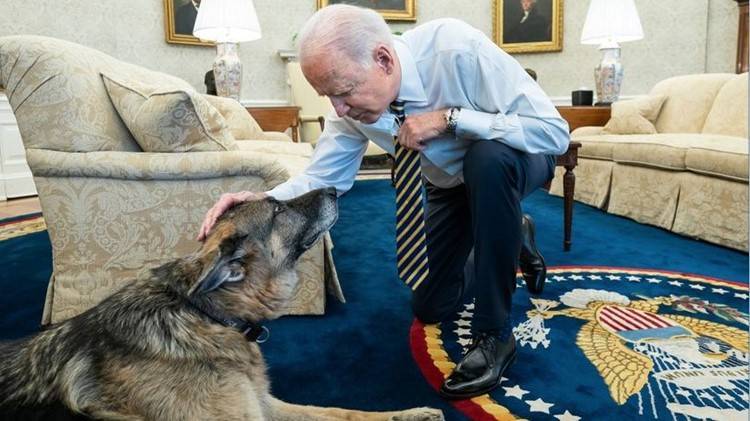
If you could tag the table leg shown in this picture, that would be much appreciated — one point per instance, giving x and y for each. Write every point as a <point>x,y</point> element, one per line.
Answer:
<point>569,186</point>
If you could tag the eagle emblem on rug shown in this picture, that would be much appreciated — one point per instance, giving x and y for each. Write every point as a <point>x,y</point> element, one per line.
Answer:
<point>614,342</point>
<point>629,340</point>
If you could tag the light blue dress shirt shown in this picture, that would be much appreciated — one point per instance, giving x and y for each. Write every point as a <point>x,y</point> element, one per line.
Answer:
<point>444,63</point>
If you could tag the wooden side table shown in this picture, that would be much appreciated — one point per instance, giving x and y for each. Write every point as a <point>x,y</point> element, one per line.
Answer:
<point>277,118</point>
<point>576,117</point>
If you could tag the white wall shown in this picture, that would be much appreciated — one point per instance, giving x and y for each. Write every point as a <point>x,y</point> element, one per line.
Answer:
<point>682,36</point>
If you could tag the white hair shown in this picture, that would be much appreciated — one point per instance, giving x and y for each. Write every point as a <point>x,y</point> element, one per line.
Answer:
<point>352,31</point>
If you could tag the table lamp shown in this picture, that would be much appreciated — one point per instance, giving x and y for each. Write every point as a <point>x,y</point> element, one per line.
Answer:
<point>227,23</point>
<point>609,22</point>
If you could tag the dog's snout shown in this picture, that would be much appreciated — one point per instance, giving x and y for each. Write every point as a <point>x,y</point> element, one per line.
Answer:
<point>330,191</point>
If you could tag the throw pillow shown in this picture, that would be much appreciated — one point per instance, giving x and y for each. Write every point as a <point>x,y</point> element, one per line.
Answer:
<point>242,125</point>
<point>635,116</point>
<point>166,119</point>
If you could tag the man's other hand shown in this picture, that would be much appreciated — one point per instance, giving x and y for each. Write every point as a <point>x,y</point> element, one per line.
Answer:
<point>225,202</point>
<point>419,128</point>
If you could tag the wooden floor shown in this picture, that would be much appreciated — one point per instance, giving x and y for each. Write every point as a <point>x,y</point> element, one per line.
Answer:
<point>22,206</point>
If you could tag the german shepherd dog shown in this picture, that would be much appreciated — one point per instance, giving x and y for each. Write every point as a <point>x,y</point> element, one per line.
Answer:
<point>173,344</point>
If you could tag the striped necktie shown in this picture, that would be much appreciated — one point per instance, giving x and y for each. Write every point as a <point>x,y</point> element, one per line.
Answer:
<point>411,241</point>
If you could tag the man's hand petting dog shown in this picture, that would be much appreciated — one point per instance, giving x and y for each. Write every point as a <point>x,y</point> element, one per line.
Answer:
<point>419,128</point>
<point>225,202</point>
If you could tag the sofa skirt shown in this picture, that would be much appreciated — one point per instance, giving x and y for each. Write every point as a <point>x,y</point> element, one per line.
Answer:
<point>708,208</point>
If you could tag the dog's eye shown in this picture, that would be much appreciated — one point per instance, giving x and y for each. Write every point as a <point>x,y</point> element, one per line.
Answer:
<point>278,209</point>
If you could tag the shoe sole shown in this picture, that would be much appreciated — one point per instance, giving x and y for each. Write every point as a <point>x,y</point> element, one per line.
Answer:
<point>457,396</point>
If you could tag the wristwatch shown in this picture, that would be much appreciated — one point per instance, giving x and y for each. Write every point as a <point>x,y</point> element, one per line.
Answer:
<point>451,119</point>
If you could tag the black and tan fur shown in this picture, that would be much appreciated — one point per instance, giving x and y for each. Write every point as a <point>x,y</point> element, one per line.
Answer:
<point>145,353</point>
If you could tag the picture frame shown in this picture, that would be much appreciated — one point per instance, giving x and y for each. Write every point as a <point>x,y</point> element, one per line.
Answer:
<point>179,18</point>
<point>528,26</point>
<point>391,10</point>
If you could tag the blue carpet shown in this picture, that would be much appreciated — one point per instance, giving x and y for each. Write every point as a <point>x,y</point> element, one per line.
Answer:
<point>359,354</point>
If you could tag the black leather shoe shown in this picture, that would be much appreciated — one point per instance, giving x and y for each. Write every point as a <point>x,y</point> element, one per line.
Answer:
<point>531,261</point>
<point>481,369</point>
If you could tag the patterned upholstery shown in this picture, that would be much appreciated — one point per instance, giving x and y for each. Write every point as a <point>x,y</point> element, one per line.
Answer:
<point>164,119</point>
<point>111,209</point>
<point>691,177</point>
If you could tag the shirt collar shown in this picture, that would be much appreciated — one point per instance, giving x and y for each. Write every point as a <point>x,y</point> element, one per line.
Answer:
<point>411,89</point>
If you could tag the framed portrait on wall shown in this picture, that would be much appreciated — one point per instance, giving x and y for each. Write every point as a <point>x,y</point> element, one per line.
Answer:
<point>528,26</point>
<point>392,10</point>
<point>179,19</point>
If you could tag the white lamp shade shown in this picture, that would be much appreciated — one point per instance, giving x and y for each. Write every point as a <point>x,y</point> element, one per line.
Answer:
<point>227,21</point>
<point>611,21</point>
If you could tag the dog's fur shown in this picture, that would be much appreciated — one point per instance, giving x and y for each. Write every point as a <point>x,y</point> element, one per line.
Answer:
<point>147,353</point>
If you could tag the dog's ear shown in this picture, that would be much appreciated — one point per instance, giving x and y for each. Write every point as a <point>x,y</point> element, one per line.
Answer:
<point>223,264</point>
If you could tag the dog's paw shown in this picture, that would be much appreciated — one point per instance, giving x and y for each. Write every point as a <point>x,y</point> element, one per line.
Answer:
<point>419,414</point>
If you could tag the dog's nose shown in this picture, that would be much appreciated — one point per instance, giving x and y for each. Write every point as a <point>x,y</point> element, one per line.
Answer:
<point>330,191</point>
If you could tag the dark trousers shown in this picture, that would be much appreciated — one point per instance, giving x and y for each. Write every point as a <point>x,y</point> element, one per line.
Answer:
<point>483,214</point>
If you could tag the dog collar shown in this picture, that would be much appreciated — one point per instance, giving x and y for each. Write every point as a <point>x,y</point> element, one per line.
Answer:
<point>253,332</point>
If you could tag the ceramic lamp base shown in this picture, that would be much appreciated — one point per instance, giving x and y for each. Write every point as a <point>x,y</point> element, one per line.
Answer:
<point>228,70</point>
<point>608,75</point>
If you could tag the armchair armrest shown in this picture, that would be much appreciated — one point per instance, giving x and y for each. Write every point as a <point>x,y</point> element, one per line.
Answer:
<point>156,166</point>
<point>586,131</point>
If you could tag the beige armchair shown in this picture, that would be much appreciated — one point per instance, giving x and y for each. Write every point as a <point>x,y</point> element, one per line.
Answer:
<point>111,209</point>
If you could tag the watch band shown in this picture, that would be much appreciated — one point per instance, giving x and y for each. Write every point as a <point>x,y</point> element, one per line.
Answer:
<point>451,119</point>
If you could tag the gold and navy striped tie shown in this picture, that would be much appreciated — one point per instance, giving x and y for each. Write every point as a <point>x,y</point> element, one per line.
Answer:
<point>411,242</point>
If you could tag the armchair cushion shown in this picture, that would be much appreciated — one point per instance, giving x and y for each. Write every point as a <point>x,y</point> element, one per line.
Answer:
<point>168,119</point>
<point>240,122</point>
<point>635,116</point>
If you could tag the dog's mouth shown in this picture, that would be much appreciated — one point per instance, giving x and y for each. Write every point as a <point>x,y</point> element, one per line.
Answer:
<point>310,240</point>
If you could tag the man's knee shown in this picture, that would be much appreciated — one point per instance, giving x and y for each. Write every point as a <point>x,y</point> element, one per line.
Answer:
<point>488,157</point>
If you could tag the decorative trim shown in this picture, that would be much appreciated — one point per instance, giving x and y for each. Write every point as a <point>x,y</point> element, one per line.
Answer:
<point>264,102</point>
<point>18,227</point>
<point>407,14</point>
<point>288,55</point>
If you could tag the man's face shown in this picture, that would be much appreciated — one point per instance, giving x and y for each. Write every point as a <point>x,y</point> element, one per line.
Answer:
<point>361,94</point>
<point>527,5</point>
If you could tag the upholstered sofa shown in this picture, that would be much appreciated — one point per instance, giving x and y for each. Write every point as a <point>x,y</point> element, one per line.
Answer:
<point>112,209</point>
<point>690,176</point>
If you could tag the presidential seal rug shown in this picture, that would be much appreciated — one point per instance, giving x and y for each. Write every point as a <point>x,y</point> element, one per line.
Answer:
<point>610,343</point>
<point>578,357</point>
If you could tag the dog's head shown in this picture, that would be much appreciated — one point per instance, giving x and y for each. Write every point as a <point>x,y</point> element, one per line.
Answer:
<point>247,263</point>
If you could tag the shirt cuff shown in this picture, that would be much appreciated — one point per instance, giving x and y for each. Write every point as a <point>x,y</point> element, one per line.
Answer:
<point>283,191</point>
<point>474,124</point>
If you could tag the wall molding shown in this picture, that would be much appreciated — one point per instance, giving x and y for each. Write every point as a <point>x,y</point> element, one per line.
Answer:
<point>15,176</point>
<point>264,102</point>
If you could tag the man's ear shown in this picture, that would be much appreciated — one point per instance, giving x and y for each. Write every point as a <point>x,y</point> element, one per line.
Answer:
<point>220,268</point>
<point>384,59</point>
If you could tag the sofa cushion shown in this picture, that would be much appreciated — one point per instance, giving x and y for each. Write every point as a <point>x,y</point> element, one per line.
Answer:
<point>597,146</point>
<point>728,115</point>
<point>724,156</point>
<point>635,116</point>
<point>689,99</point>
<point>240,122</point>
<point>669,151</point>
<point>168,119</point>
